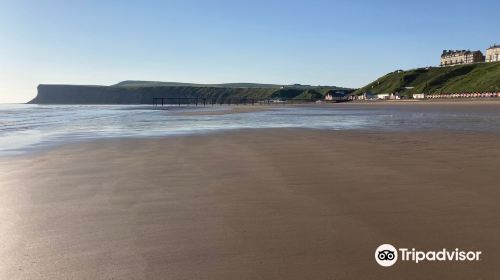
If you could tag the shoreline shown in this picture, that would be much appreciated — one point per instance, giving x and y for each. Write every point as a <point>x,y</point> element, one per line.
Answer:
<point>240,109</point>
<point>434,101</point>
<point>41,150</point>
<point>427,100</point>
<point>383,115</point>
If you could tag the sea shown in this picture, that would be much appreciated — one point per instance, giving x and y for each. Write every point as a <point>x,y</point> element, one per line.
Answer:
<point>25,128</point>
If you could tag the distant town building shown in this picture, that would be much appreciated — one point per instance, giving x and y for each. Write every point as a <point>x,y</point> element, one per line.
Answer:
<point>383,96</point>
<point>450,58</point>
<point>366,96</point>
<point>493,53</point>
<point>336,96</point>
<point>388,96</point>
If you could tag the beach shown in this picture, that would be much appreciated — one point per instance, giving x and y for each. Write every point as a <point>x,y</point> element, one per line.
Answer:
<point>249,140</point>
<point>421,105</point>
<point>284,203</point>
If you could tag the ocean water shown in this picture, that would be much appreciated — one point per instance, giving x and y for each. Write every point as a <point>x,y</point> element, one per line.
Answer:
<point>27,127</point>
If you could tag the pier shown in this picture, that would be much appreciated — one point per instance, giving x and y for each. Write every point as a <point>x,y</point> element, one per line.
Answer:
<point>197,101</point>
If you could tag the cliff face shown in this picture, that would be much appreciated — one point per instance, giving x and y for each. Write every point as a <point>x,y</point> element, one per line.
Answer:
<point>74,94</point>
<point>69,94</point>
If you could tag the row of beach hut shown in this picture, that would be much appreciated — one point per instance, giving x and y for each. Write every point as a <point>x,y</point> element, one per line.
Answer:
<point>457,95</point>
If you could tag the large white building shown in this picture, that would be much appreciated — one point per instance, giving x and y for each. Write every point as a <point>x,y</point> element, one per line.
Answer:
<point>493,53</point>
<point>450,58</point>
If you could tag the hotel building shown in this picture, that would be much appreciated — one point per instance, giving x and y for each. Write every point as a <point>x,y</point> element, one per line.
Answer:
<point>450,58</point>
<point>493,53</point>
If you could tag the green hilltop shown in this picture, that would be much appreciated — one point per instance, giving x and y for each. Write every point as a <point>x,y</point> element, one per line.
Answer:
<point>176,84</point>
<point>481,77</point>
<point>144,92</point>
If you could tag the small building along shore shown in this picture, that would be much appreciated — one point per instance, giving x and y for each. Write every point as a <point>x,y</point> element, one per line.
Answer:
<point>337,96</point>
<point>463,95</point>
<point>422,96</point>
<point>457,95</point>
<point>371,96</point>
<point>419,96</point>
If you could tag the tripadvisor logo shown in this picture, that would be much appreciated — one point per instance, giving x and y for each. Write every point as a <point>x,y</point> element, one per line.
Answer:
<point>387,255</point>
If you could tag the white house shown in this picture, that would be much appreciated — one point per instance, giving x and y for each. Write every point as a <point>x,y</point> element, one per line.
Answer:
<point>419,96</point>
<point>388,96</point>
<point>383,95</point>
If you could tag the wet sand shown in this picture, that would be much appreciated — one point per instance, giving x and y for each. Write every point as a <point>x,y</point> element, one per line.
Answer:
<point>429,105</point>
<point>224,110</point>
<point>252,204</point>
<point>455,105</point>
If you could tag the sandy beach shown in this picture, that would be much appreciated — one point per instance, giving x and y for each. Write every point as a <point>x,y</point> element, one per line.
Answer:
<point>249,140</point>
<point>224,110</point>
<point>428,105</point>
<point>251,204</point>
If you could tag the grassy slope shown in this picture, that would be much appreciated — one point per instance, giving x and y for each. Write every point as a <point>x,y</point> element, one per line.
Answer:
<point>235,90</point>
<point>465,78</point>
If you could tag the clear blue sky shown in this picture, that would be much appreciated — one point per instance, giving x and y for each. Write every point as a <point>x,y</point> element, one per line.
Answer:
<point>345,43</point>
